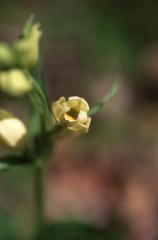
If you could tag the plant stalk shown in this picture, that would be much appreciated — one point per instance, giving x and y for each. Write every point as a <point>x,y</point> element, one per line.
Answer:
<point>38,194</point>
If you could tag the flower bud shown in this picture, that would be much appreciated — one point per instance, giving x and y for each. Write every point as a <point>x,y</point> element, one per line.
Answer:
<point>12,131</point>
<point>7,57</point>
<point>27,48</point>
<point>14,82</point>
<point>72,113</point>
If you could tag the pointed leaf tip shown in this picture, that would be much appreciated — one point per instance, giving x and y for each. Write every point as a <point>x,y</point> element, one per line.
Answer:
<point>101,104</point>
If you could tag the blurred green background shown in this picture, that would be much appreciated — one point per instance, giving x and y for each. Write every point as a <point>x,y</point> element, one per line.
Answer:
<point>107,178</point>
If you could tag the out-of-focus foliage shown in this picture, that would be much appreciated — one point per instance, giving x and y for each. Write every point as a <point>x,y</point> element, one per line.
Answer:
<point>8,229</point>
<point>71,230</point>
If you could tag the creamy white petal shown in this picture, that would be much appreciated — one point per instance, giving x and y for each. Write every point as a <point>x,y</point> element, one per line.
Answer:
<point>78,103</point>
<point>13,133</point>
<point>59,108</point>
<point>82,116</point>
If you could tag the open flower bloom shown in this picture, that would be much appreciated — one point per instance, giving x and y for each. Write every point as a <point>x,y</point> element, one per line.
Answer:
<point>72,113</point>
<point>27,48</point>
<point>14,82</point>
<point>12,131</point>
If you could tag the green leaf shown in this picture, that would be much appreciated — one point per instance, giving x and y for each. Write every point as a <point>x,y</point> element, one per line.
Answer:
<point>37,96</point>
<point>39,101</point>
<point>28,25</point>
<point>13,160</point>
<point>34,126</point>
<point>101,104</point>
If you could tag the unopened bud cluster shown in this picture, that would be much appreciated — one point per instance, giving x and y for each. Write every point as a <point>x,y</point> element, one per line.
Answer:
<point>14,60</point>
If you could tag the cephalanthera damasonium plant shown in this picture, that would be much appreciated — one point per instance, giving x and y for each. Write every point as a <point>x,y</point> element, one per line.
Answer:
<point>29,145</point>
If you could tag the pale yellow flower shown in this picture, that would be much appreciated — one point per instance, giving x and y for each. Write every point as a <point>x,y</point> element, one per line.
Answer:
<point>27,48</point>
<point>14,82</point>
<point>72,113</point>
<point>12,131</point>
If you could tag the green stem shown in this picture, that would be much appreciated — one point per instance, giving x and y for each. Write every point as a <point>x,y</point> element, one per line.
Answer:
<point>38,194</point>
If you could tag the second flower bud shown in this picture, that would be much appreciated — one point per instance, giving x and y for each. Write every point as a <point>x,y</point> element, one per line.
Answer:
<point>14,82</point>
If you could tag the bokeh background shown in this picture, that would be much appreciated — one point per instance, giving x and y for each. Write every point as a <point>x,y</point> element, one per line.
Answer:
<point>107,178</point>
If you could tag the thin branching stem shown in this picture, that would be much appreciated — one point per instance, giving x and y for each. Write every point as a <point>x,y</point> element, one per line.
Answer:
<point>38,194</point>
